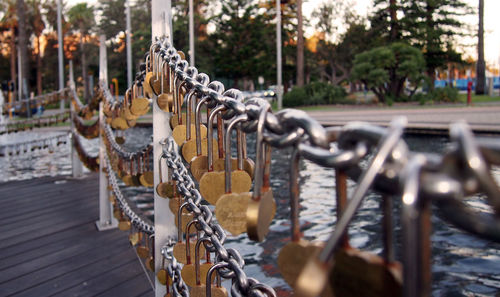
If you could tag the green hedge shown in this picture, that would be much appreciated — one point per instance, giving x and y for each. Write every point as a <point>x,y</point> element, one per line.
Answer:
<point>316,93</point>
<point>446,94</point>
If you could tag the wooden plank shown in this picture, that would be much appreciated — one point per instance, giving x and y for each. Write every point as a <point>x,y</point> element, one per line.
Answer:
<point>35,208</point>
<point>53,247</point>
<point>49,244</point>
<point>101,283</point>
<point>41,201</point>
<point>46,260</point>
<point>44,240</point>
<point>44,193</point>
<point>66,274</point>
<point>44,232</point>
<point>45,223</point>
<point>22,189</point>
<point>133,287</point>
<point>48,209</point>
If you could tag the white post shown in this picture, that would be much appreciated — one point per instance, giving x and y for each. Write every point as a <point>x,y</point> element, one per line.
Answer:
<point>191,33</point>
<point>129,44</point>
<point>106,220</point>
<point>164,218</point>
<point>60,52</point>
<point>76,164</point>
<point>103,62</point>
<point>279,90</point>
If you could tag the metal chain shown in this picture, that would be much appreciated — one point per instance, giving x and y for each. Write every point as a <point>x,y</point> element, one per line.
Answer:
<point>35,144</point>
<point>174,268</point>
<point>89,161</point>
<point>34,122</point>
<point>357,140</point>
<point>40,99</point>
<point>108,133</point>
<point>242,286</point>
<point>134,218</point>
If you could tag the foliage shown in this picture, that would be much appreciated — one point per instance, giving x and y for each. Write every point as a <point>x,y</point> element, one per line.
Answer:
<point>316,93</point>
<point>444,95</point>
<point>385,69</point>
<point>82,17</point>
<point>237,48</point>
<point>429,25</point>
<point>335,52</point>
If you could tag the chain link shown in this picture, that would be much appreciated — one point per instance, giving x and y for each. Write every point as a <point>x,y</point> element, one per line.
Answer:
<point>134,218</point>
<point>35,144</point>
<point>187,187</point>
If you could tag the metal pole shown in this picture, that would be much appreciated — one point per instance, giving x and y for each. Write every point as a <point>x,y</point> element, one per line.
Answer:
<point>19,76</point>
<point>60,51</point>
<point>129,45</point>
<point>71,76</point>
<point>106,220</point>
<point>279,91</point>
<point>191,33</point>
<point>161,25</point>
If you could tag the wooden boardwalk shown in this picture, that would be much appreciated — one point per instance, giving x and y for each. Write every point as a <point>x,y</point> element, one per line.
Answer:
<point>49,245</point>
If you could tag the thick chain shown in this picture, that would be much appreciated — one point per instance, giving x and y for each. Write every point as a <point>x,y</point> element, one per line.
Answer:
<point>179,287</point>
<point>88,131</point>
<point>134,218</point>
<point>40,99</point>
<point>242,285</point>
<point>35,144</point>
<point>89,161</point>
<point>31,123</point>
<point>118,149</point>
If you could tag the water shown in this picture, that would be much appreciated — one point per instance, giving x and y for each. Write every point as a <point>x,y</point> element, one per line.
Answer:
<point>463,265</point>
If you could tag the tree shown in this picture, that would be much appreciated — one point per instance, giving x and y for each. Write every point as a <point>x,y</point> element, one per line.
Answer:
<point>481,67</point>
<point>385,19</point>
<point>82,18</point>
<point>431,25</point>
<point>385,69</point>
<point>9,26</point>
<point>237,48</point>
<point>335,52</point>
<point>112,19</point>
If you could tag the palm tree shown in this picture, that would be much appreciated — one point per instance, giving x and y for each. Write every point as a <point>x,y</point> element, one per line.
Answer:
<point>9,22</point>
<point>81,17</point>
<point>480,67</point>
<point>38,27</point>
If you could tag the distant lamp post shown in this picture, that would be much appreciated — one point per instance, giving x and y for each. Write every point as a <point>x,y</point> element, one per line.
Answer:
<point>279,92</point>
<point>261,82</point>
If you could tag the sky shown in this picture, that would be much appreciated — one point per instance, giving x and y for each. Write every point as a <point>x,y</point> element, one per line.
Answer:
<point>491,26</point>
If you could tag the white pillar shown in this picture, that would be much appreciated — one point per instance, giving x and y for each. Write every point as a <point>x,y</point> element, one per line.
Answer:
<point>106,220</point>
<point>279,88</point>
<point>164,218</point>
<point>60,51</point>
<point>129,44</point>
<point>191,33</point>
<point>103,60</point>
<point>76,164</point>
